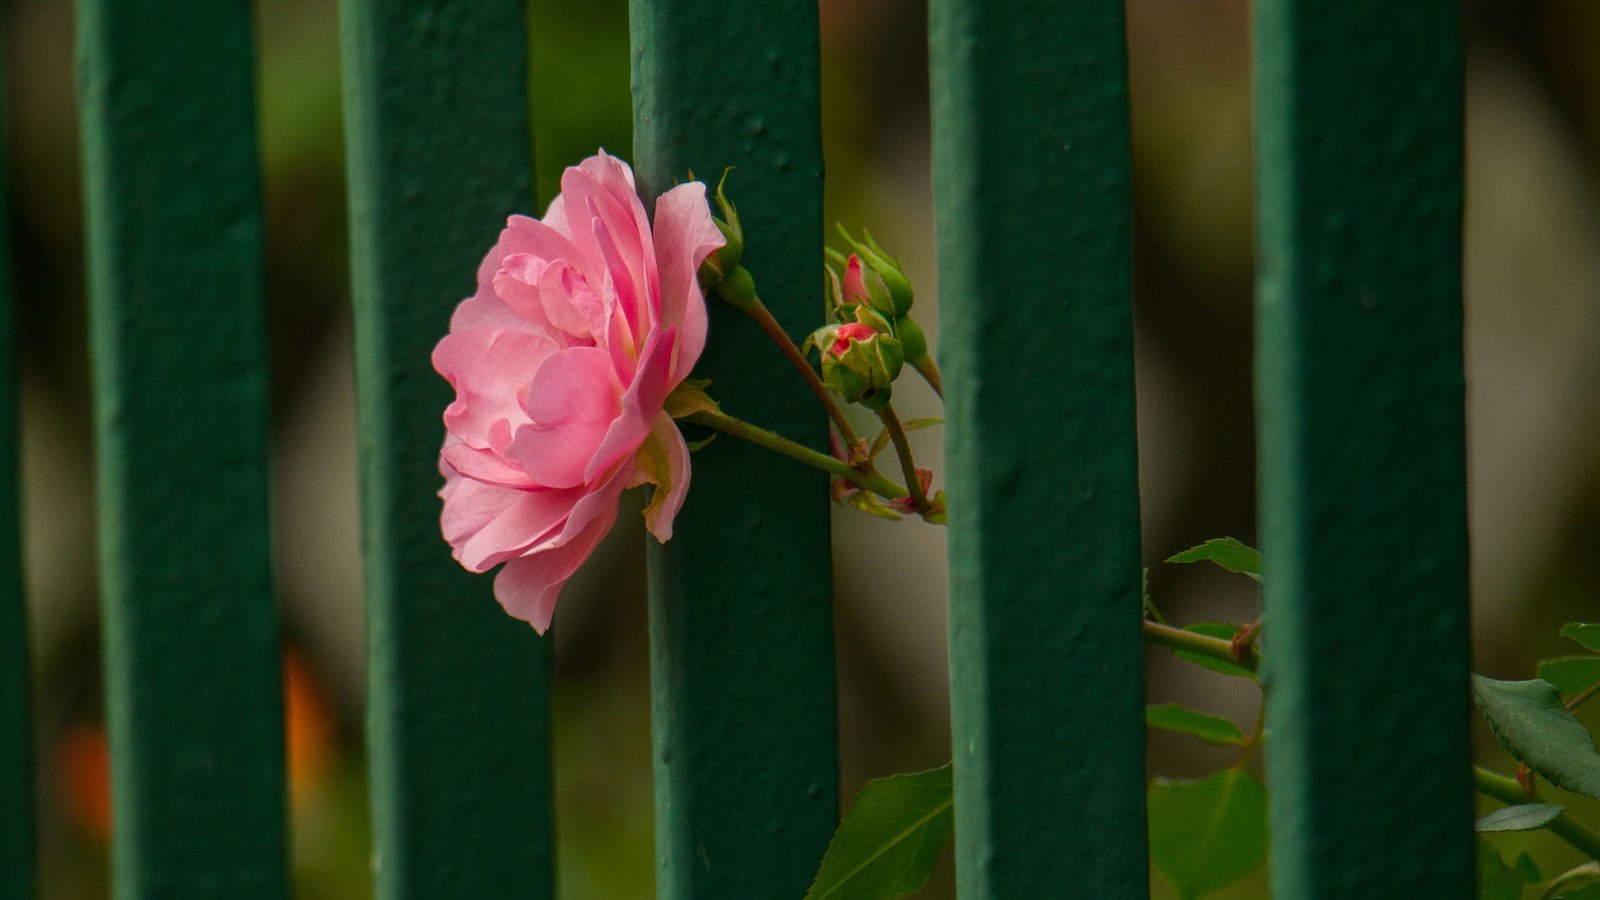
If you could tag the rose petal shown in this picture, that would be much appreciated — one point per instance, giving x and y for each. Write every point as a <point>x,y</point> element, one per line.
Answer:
<point>489,368</point>
<point>664,505</point>
<point>570,406</point>
<point>684,237</point>
<point>640,404</point>
<point>528,587</point>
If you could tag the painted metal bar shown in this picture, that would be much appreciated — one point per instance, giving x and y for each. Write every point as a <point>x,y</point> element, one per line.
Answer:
<point>1359,359</point>
<point>439,153</point>
<point>1031,178</point>
<point>193,695</point>
<point>741,621</point>
<point>16,720</point>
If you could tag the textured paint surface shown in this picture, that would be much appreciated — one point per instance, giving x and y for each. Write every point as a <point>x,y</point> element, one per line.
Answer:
<point>180,373</point>
<point>1030,132</point>
<point>1359,360</point>
<point>16,728</point>
<point>439,153</point>
<point>740,613</point>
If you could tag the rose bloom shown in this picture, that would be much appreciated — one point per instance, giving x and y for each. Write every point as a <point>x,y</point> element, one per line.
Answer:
<point>582,324</point>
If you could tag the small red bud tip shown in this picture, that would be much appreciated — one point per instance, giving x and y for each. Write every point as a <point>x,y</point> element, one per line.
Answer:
<point>847,333</point>
<point>855,286</point>
<point>1526,779</point>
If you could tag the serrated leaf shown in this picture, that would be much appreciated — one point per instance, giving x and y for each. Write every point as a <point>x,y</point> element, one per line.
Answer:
<point>1584,633</point>
<point>888,842</point>
<point>1571,674</point>
<point>1528,719</point>
<point>1211,729</point>
<point>1229,553</point>
<point>1496,880</point>
<point>1217,630</point>
<point>1207,833</point>
<point>1523,817</point>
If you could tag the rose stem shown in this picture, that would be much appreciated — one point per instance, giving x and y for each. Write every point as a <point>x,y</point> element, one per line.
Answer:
<point>902,449</point>
<point>764,318</point>
<point>1506,790</point>
<point>755,434</point>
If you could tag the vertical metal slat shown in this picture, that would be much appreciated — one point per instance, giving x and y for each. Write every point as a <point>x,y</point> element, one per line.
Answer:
<point>1358,110</point>
<point>439,153</point>
<point>740,599</point>
<point>1031,177</point>
<point>180,372</point>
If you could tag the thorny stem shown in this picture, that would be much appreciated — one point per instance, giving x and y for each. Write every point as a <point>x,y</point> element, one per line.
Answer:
<point>902,449</point>
<point>1506,790</point>
<point>1214,648</point>
<point>755,434</point>
<point>763,316</point>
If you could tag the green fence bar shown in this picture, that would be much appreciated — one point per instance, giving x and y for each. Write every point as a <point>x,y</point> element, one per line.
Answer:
<point>439,153</point>
<point>1031,172</point>
<point>16,730</point>
<point>1358,112</point>
<point>741,623</point>
<point>193,695</point>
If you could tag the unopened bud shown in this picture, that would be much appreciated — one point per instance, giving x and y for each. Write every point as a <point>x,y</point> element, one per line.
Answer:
<point>861,363</point>
<point>883,283</point>
<point>725,259</point>
<point>912,339</point>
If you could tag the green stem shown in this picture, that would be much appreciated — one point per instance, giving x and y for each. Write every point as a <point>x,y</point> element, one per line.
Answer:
<point>1214,648</point>
<point>902,449</point>
<point>1254,740</point>
<point>763,316</point>
<point>759,436</point>
<point>1507,791</point>
<point>1587,692</point>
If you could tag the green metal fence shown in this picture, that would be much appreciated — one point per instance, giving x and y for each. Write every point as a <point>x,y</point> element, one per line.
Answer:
<point>1359,360</point>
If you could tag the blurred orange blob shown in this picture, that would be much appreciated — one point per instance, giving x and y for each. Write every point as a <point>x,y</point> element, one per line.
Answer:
<point>83,757</point>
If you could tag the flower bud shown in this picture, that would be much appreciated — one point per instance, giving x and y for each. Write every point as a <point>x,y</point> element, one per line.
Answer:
<point>866,315</point>
<point>882,283</point>
<point>861,364</point>
<point>724,260</point>
<point>738,288</point>
<point>912,339</point>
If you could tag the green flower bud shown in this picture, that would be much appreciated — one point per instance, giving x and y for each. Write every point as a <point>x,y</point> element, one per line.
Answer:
<point>724,260</point>
<point>912,339</point>
<point>861,364</point>
<point>884,284</point>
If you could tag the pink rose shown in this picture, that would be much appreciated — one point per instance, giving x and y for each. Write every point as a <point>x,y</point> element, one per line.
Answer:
<point>581,326</point>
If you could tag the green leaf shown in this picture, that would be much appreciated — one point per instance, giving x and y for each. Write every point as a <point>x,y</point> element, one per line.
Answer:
<point>1496,880</point>
<point>1571,674</point>
<point>1227,552</point>
<point>1523,817</point>
<point>1526,870</point>
<point>1528,719</point>
<point>889,840</point>
<point>1217,630</point>
<point>1209,833</point>
<point>1208,728</point>
<point>1584,633</point>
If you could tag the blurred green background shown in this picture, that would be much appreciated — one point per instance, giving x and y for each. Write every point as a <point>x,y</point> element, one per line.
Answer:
<point>1533,314</point>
